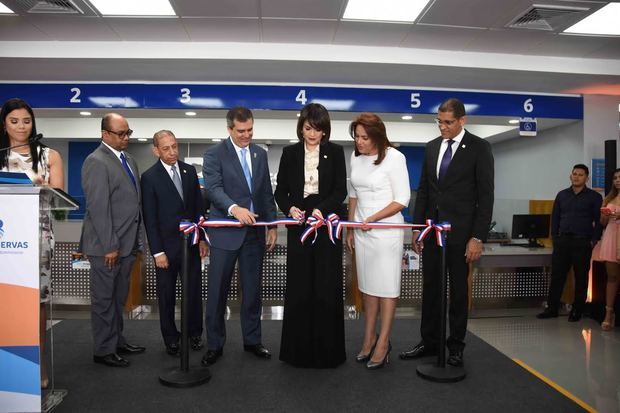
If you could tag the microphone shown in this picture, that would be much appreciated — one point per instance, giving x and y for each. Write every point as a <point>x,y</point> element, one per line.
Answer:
<point>35,139</point>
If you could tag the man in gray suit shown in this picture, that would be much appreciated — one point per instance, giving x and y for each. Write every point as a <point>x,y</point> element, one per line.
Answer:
<point>111,236</point>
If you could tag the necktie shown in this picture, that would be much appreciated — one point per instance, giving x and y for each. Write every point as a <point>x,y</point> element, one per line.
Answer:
<point>176,180</point>
<point>246,168</point>
<point>247,173</point>
<point>445,161</point>
<point>126,166</point>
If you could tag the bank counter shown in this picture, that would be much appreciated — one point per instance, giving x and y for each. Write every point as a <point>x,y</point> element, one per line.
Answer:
<point>504,277</point>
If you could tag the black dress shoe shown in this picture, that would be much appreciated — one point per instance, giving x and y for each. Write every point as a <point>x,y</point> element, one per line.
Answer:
<point>211,357</point>
<point>548,313</point>
<point>258,350</point>
<point>419,351</point>
<point>574,315</point>
<point>455,358</point>
<point>173,349</point>
<point>196,343</point>
<point>130,349</point>
<point>112,360</point>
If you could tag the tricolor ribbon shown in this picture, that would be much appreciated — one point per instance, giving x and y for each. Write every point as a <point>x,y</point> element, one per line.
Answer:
<point>193,228</point>
<point>316,221</point>
<point>440,230</point>
<point>230,223</point>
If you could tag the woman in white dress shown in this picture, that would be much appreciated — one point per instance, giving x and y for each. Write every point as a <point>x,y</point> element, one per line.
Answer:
<point>378,191</point>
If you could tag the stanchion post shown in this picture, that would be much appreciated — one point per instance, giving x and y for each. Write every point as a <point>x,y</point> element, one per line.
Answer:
<point>439,371</point>
<point>184,376</point>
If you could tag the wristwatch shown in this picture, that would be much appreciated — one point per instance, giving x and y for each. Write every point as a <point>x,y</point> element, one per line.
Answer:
<point>477,239</point>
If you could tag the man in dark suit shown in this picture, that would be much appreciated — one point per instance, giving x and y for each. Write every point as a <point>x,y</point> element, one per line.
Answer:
<point>237,181</point>
<point>171,193</point>
<point>111,236</point>
<point>456,185</point>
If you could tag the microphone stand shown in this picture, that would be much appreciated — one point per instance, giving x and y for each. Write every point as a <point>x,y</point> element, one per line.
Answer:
<point>34,139</point>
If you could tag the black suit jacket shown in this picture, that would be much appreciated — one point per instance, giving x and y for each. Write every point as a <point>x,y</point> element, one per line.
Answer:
<point>332,179</point>
<point>163,208</point>
<point>465,195</point>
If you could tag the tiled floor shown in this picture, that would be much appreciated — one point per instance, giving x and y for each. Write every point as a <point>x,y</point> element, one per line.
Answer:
<point>577,356</point>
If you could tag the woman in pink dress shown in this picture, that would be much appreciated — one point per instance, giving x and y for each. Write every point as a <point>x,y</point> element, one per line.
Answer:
<point>607,249</point>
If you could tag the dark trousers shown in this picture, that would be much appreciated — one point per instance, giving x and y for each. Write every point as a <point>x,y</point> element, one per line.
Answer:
<point>567,252</point>
<point>221,269</point>
<point>108,295</point>
<point>431,294</point>
<point>166,296</point>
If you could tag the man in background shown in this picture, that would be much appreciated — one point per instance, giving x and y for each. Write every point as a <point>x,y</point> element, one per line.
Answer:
<point>575,228</point>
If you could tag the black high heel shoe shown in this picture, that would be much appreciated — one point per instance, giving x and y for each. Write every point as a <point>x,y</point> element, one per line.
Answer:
<point>373,365</point>
<point>363,358</point>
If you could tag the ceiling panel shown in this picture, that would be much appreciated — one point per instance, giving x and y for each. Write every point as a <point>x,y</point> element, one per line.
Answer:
<point>473,13</point>
<point>514,41</point>
<point>222,30</point>
<point>216,8</point>
<point>73,28</point>
<point>17,28</point>
<point>160,29</point>
<point>439,37</point>
<point>298,31</point>
<point>303,9</point>
<point>371,34</point>
<point>579,46</point>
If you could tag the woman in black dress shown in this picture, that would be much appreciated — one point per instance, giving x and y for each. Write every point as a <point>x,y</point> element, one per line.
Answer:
<point>312,180</point>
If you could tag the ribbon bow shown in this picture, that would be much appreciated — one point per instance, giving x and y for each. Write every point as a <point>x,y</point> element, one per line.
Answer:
<point>440,230</point>
<point>316,221</point>
<point>193,228</point>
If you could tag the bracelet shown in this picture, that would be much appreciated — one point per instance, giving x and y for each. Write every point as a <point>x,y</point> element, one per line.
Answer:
<point>477,239</point>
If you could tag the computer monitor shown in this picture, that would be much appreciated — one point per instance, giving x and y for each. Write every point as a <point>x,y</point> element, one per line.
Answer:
<point>531,227</point>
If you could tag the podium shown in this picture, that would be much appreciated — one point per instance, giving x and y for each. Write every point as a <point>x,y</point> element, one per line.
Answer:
<point>20,307</point>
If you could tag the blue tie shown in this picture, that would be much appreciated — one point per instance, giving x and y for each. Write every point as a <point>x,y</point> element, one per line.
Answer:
<point>126,166</point>
<point>247,173</point>
<point>445,161</point>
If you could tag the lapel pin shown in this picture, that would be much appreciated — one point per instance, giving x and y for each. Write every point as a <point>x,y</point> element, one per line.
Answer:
<point>462,146</point>
<point>325,156</point>
<point>184,171</point>
<point>254,155</point>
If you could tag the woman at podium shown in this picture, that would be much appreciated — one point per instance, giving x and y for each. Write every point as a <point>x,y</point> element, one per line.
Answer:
<point>25,153</point>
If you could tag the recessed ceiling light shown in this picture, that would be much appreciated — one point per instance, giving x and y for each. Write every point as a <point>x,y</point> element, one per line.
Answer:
<point>299,114</point>
<point>134,7</point>
<point>604,21</point>
<point>513,121</point>
<point>5,10</point>
<point>216,140</point>
<point>406,117</point>
<point>142,139</point>
<point>85,113</point>
<point>386,10</point>
<point>190,113</point>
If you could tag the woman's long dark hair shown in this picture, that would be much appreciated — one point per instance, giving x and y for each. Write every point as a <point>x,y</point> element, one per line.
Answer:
<point>35,147</point>
<point>613,192</point>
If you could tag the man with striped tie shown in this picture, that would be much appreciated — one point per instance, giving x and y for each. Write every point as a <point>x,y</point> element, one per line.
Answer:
<point>171,193</point>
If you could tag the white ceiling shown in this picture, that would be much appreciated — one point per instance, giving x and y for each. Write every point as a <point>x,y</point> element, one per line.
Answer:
<point>459,44</point>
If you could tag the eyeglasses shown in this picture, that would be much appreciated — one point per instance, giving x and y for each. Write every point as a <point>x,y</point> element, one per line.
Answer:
<point>445,122</point>
<point>121,134</point>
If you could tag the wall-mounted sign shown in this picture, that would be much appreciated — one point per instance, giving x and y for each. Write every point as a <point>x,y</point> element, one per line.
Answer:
<point>347,99</point>
<point>527,126</point>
